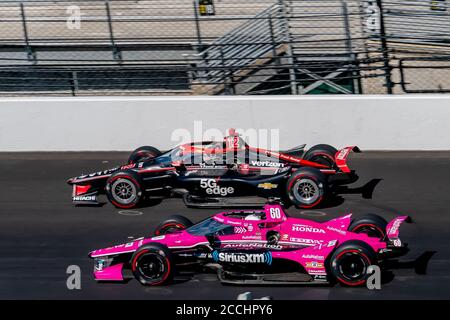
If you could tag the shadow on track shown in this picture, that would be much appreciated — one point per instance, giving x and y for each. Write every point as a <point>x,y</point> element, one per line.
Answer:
<point>336,198</point>
<point>366,190</point>
<point>420,265</point>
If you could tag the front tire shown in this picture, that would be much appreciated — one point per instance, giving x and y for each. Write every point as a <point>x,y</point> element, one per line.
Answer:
<point>172,224</point>
<point>350,262</point>
<point>152,265</point>
<point>123,189</point>
<point>306,187</point>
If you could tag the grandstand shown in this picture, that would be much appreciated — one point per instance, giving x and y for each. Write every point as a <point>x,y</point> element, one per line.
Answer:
<point>224,47</point>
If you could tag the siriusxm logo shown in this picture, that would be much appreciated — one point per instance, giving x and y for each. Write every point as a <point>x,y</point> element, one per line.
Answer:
<point>265,257</point>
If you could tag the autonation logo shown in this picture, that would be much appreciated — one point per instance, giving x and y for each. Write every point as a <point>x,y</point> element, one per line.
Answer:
<point>265,257</point>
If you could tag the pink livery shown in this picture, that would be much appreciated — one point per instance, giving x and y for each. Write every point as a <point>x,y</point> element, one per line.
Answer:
<point>256,247</point>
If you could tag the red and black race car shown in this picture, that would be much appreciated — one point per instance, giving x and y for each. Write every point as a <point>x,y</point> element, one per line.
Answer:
<point>219,174</point>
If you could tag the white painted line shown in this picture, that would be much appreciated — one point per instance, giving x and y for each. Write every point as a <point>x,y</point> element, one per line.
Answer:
<point>313,213</point>
<point>130,213</point>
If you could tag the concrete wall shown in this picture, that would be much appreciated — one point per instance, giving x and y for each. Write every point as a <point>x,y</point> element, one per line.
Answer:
<point>410,122</point>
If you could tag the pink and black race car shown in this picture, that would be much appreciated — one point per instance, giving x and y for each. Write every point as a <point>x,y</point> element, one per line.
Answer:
<point>256,247</point>
<point>219,174</point>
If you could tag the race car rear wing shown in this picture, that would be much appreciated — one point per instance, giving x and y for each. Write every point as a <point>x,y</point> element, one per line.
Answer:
<point>393,227</point>
<point>392,234</point>
<point>340,158</point>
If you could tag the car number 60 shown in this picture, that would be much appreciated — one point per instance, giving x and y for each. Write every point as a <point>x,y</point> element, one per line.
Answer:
<point>275,213</point>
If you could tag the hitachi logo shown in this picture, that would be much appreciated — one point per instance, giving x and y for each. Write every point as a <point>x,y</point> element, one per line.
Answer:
<point>85,198</point>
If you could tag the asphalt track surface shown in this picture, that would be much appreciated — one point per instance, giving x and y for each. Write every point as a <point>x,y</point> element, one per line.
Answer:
<point>41,233</point>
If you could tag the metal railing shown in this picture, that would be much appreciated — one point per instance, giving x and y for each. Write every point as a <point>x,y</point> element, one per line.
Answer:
<point>252,43</point>
<point>235,47</point>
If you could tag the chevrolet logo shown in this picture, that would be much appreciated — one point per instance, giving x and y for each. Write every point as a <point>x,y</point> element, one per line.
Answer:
<point>267,185</point>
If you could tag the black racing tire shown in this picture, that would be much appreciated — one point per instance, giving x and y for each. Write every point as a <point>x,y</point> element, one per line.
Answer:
<point>371,224</point>
<point>143,153</point>
<point>171,224</point>
<point>306,187</point>
<point>152,264</point>
<point>323,154</point>
<point>124,190</point>
<point>350,262</point>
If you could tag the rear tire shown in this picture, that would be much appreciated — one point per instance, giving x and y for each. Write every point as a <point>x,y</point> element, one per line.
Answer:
<point>350,261</point>
<point>370,224</point>
<point>321,153</point>
<point>306,187</point>
<point>143,153</point>
<point>123,189</point>
<point>173,223</point>
<point>152,264</point>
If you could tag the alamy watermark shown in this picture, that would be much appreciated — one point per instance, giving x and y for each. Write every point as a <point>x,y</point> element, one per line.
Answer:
<point>213,146</point>
<point>373,282</point>
<point>73,281</point>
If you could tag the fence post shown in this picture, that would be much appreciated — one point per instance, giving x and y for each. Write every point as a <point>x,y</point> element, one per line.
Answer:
<point>290,51</point>
<point>349,45</point>
<point>190,71</point>
<point>30,52</point>
<point>197,27</point>
<point>74,83</point>
<point>225,73</point>
<point>384,48</point>
<point>117,55</point>
<point>348,40</point>
<point>274,43</point>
